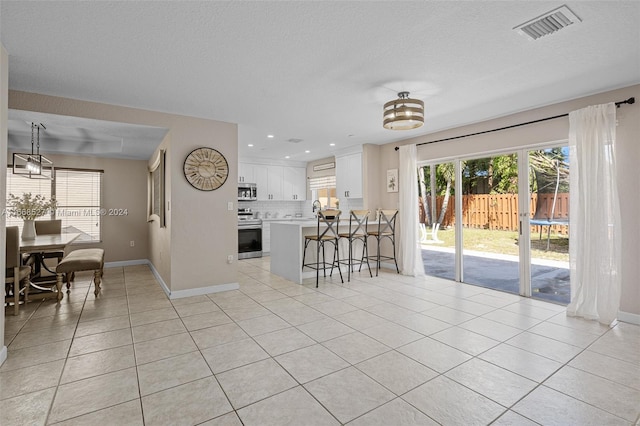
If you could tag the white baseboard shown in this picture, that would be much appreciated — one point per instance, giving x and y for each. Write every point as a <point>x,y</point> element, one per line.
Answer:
<point>3,355</point>
<point>174,294</point>
<point>121,263</point>
<point>179,294</point>
<point>629,317</point>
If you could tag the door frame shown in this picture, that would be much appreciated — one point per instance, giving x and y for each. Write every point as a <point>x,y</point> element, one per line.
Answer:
<point>524,213</point>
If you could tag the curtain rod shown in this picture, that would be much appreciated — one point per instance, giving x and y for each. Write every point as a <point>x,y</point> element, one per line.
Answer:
<point>629,101</point>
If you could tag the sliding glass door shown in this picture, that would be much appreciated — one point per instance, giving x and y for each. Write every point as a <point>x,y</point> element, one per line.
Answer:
<point>490,222</point>
<point>507,223</point>
<point>549,224</point>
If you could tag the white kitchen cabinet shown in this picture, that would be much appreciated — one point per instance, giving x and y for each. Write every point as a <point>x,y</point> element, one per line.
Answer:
<point>266,236</point>
<point>349,176</point>
<point>275,177</point>
<point>275,183</point>
<point>245,173</point>
<point>261,174</point>
<point>294,183</point>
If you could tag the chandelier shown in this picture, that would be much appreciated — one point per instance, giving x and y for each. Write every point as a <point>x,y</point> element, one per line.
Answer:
<point>33,165</point>
<point>403,113</point>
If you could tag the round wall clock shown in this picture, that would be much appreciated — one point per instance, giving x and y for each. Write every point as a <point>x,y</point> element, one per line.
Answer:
<point>206,169</point>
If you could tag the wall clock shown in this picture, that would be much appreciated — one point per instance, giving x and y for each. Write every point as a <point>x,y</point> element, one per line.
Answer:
<point>206,169</point>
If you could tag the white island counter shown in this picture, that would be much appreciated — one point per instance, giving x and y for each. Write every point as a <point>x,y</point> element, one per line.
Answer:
<point>287,246</point>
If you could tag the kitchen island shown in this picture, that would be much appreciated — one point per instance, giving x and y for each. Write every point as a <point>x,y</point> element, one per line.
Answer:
<point>287,247</point>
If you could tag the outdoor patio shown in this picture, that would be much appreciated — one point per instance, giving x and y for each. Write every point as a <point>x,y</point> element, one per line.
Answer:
<point>549,279</point>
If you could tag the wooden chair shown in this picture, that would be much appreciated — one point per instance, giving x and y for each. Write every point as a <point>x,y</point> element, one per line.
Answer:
<point>386,229</point>
<point>50,227</point>
<point>328,222</point>
<point>358,222</point>
<point>15,272</point>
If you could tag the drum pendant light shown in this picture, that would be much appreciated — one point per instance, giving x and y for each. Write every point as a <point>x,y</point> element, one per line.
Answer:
<point>403,113</point>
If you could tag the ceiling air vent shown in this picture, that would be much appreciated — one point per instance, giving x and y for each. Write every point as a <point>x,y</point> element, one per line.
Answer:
<point>548,23</point>
<point>294,140</point>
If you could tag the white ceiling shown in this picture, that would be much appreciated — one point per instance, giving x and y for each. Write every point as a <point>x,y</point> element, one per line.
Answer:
<point>318,71</point>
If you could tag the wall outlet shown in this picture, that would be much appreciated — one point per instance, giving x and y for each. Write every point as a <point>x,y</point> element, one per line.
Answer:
<point>230,258</point>
<point>132,243</point>
<point>230,206</point>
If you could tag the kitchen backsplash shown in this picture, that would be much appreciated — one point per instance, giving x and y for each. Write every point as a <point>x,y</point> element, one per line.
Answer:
<point>279,209</point>
<point>276,208</point>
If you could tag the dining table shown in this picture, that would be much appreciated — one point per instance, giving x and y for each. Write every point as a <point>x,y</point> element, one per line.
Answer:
<point>36,248</point>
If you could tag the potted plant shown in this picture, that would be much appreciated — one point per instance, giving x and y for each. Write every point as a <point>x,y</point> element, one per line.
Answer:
<point>28,208</point>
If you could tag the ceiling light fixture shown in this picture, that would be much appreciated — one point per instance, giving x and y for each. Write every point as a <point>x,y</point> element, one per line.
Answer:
<point>270,136</point>
<point>34,165</point>
<point>250,145</point>
<point>332,144</point>
<point>403,113</point>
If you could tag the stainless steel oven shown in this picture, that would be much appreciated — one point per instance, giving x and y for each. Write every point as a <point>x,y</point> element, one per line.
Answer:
<point>249,235</point>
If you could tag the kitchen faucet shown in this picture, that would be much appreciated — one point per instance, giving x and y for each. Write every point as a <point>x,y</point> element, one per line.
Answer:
<point>317,205</point>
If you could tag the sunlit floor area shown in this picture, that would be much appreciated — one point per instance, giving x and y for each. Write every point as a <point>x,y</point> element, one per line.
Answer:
<point>387,350</point>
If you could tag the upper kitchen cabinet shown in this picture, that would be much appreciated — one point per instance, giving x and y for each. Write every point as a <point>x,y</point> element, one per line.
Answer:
<point>349,176</point>
<point>275,182</point>
<point>295,183</point>
<point>269,181</point>
<point>245,173</point>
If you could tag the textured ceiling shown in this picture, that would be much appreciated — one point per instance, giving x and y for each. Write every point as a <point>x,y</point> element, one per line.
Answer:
<point>317,71</point>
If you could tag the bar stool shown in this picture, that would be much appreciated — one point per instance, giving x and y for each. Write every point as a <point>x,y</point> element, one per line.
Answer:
<point>328,220</point>
<point>358,221</point>
<point>386,229</point>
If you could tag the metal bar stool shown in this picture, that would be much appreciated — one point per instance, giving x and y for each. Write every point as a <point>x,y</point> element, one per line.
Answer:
<point>386,229</point>
<point>328,222</point>
<point>358,221</point>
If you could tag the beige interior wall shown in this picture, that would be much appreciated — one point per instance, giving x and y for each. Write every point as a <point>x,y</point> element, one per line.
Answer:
<point>4,96</point>
<point>628,157</point>
<point>202,231</point>
<point>371,173</point>
<point>124,186</point>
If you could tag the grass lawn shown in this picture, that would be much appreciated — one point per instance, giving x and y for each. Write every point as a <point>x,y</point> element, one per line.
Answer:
<point>506,242</point>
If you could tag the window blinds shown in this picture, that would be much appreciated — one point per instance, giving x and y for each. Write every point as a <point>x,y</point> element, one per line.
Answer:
<point>322,182</point>
<point>79,199</point>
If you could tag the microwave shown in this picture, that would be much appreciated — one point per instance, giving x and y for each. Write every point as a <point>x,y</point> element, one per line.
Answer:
<point>247,192</point>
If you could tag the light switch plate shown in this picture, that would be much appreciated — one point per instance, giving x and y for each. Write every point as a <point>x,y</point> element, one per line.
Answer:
<point>230,205</point>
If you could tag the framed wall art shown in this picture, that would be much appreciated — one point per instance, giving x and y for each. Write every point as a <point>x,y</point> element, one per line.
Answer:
<point>392,180</point>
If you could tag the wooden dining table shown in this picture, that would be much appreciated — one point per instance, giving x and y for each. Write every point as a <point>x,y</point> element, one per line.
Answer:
<point>39,245</point>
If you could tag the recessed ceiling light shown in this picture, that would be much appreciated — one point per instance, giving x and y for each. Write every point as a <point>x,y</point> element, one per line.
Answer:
<point>286,156</point>
<point>270,136</point>
<point>307,151</point>
<point>250,145</point>
<point>332,144</point>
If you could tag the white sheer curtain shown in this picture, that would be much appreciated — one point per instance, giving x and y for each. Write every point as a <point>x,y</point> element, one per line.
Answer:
<point>595,247</point>
<point>410,252</point>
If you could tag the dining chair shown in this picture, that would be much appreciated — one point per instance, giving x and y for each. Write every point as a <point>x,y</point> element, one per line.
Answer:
<point>358,222</point>
<point>327,232</point>
<point>386,229</point>
<point>50,227</point>
<point>15,272</point>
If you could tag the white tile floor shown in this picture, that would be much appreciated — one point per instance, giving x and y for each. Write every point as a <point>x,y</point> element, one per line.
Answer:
<point>390,350</point>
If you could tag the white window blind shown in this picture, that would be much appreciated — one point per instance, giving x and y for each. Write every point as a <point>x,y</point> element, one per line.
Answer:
<point>322,182</point>
<point>78,193</point>
<point>79,208</point>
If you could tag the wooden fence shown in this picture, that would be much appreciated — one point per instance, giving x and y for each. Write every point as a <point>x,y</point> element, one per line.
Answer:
<point>500,211</point>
